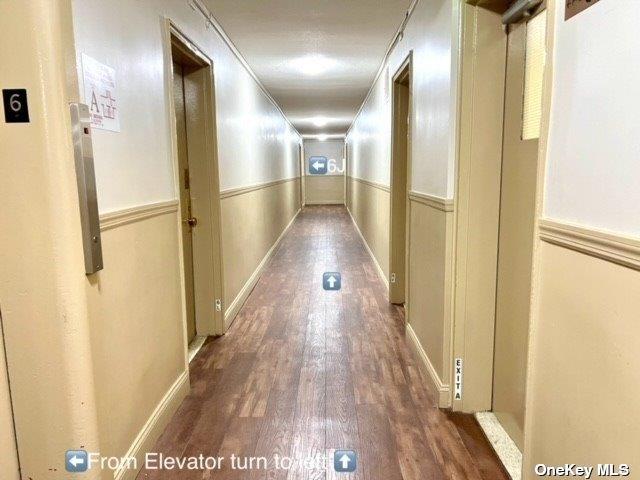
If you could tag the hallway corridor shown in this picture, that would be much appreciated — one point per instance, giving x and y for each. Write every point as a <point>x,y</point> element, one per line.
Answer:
<point>303,371</point>
<point>180,180</point>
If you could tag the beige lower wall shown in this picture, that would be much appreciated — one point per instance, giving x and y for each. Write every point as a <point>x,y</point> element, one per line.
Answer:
<point>429,285</point>
<point>136,326</point>
<point>252,221</point>
<point>583,392</point>
<point>369,205</point>
<point>324,189</point>
<point>8,454</point>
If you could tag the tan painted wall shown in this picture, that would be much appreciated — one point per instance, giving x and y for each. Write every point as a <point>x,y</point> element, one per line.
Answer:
<point>42,279</point>
<point>137,338</point>
<point>583,365</point>
<point>253,220</point>
<point>8,453</point>
<point>329,188</point>
<point>369,205</point>
<point>585,382</point>
<point>428,272</point>
<point>324,189</point>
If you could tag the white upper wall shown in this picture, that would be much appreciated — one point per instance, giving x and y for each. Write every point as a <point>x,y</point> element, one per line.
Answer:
<point>332,149</point>
<point>593,159</point>
<point>134,167</point>
<point>432,33</point>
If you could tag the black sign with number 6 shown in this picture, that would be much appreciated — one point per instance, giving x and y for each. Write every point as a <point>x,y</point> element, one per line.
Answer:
<point>16,109</point>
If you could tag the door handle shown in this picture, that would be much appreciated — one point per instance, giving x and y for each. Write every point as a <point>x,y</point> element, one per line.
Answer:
<point>192,221</point>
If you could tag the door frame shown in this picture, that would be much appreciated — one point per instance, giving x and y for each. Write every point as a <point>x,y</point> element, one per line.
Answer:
<point>345,155</point>
<point>302,174</point>
<point>477,197</point>
<point>208,280</point>
<point>397,221</point>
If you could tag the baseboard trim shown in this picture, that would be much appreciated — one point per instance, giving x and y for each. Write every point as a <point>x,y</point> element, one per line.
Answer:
<point>195,346</point>
<point>331,202</point>
<point>597,243</point>
<point>237,303</point>
<point>125,216</point>
<point>439,203</point>
<point>155,425</point>
<point>444,391</point>
<point>501,443</point>
<point>373,257</point>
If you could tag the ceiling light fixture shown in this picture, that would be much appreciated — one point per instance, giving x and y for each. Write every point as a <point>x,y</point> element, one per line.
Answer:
<point>320,121</point>
<point>322,137</point>
<point>313,64</point>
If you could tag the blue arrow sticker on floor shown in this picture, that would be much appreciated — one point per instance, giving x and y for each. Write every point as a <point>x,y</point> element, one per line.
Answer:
<point>317,165</point>
<point>331,281</point>
<point>345,461</point>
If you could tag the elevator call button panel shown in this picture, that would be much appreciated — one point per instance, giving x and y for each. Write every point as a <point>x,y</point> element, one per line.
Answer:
<point>85,175</point>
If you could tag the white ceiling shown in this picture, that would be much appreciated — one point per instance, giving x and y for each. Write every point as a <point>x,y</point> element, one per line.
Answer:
<point>316,58</point>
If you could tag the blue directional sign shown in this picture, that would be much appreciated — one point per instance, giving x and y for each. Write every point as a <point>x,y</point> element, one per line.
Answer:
<point>318,165</point>
<point>345,461</point>
<point>331,281</point>
<point>76,461</point>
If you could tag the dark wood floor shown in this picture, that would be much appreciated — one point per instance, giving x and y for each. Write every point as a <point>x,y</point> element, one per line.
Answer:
<point>303,371</point>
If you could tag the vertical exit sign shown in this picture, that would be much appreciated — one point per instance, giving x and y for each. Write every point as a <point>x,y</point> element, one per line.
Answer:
<point>574,7</point>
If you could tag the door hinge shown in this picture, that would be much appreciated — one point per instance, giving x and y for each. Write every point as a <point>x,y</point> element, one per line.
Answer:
<point>392,278</point>
<point>218,305</point>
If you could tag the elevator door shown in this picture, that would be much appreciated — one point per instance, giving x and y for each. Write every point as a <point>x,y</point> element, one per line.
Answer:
<point>188,223</point>
<point>517,212</point>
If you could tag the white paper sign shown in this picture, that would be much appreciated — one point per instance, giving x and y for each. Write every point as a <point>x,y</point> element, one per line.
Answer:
<point>100,94</point>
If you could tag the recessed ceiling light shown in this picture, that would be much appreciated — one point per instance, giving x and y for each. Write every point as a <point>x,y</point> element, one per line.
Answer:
<point>319,121</point>
<point>322,137</point>
<point>312,64</point>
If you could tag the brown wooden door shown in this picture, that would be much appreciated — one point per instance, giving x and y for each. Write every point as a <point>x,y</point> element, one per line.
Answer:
<point>399,189</point>
<point>185,196</point>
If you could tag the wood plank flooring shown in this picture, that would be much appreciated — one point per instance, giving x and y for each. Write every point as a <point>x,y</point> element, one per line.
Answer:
<point>303,371</point>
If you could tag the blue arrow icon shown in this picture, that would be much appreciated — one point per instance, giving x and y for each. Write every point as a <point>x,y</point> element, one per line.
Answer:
<point>345,461</point>
<point>317,165</point>
<point>331,281</point>
<point>76,461</point>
